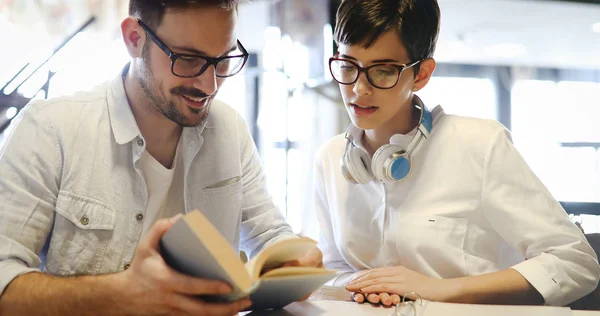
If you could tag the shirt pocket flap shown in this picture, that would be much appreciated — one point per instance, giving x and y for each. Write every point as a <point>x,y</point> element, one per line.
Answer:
<point>85,213</point>
<point>224,183</point>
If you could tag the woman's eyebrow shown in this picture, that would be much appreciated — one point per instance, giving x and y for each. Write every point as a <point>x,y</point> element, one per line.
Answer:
<point>387,60</point>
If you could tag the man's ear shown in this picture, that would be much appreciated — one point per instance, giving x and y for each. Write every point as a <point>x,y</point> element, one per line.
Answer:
<point>426,69</point>
<point>133,36</point>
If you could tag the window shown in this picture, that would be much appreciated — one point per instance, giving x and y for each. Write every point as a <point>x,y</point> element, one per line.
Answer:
<point>554,129</point>
<point>273,127</point>
<point>77,64</point>
<point>461,96</point>
<point>233,93</point>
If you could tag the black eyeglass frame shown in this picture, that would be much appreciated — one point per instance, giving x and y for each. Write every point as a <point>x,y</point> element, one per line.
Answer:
<point>400,68</point>
<point>209,60</point>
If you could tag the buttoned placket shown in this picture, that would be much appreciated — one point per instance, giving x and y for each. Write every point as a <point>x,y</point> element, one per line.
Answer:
<point>137,220</point>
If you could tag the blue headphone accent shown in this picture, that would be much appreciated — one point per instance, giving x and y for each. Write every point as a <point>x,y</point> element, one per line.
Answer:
<point>390,163</point>
<point>400,168</point>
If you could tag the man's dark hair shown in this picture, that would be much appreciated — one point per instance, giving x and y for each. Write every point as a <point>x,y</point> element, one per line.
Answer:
<point>153,11</point>
<point>417,23</point>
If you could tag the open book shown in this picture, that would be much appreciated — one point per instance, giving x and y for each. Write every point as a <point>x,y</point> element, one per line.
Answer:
<point>195,247</point>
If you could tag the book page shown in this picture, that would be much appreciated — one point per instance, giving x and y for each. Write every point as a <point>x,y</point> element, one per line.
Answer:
<point>278,253</point>
<point>292,271</point>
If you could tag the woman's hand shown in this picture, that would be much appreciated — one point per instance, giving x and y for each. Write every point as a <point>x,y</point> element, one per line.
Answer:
<point>400,281</point>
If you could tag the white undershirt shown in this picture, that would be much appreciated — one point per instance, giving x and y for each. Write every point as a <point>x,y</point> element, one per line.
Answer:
<point>163,186</point>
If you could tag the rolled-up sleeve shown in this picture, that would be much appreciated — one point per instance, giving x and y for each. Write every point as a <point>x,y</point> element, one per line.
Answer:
<point>30,164</point>
<point>560,264</point>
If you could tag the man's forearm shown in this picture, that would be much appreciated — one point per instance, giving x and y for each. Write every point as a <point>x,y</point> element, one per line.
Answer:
<point>502,287</point>
<point>42,294</point>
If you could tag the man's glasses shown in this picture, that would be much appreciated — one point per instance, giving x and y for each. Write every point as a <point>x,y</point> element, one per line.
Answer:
<point>381,76</point>
<point>189,66</point>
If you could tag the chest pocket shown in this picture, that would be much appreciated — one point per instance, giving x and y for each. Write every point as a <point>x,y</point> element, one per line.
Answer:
<point>225,207</point>
<point>432,244</point>
<point>82,230</point>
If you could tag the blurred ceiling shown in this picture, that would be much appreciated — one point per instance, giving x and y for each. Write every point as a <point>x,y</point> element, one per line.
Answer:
<point>520,32</point>
<point>509,32</point>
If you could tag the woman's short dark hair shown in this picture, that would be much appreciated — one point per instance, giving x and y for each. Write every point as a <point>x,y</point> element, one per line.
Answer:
<point>417,23</point>
<point>153,11</point>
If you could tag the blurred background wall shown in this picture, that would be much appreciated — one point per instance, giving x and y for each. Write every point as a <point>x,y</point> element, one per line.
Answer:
<point>533,65</point>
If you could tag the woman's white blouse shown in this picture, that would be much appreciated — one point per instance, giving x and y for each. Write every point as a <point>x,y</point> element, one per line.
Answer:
<point>470,205</point>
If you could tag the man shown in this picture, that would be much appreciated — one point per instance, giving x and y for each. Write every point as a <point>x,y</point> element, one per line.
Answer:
<point>90,180</point>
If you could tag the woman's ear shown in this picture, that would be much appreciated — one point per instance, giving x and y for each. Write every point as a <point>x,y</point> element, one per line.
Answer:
<point>133,36</point>
<point>426,69</point>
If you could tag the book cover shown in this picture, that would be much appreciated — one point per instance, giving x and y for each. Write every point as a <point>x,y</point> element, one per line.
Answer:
<point>193,246</point>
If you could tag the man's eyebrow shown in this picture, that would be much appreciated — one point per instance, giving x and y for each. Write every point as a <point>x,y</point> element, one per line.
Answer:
<point>194,51</point>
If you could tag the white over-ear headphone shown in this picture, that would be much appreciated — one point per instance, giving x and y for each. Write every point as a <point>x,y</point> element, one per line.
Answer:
<point>390,163</point>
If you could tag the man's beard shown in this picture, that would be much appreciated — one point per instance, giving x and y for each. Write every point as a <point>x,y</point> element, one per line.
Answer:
<point>153,89</point>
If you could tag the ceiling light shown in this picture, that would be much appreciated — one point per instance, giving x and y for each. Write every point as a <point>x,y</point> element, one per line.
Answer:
<point>596,27</point>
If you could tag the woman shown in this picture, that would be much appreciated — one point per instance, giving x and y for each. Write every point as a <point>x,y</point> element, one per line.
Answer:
<point>426,202</point>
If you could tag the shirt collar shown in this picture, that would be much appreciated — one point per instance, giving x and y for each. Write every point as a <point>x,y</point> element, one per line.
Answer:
<point>122,121</point>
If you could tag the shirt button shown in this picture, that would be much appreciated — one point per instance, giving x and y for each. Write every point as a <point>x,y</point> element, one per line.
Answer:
<point>126,266</point>
<point>140,142</point>
<point>139,217</point>
<point>84,221</point>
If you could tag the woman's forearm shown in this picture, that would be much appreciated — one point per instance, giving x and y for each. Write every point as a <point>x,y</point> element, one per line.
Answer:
<point>502,287</point>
